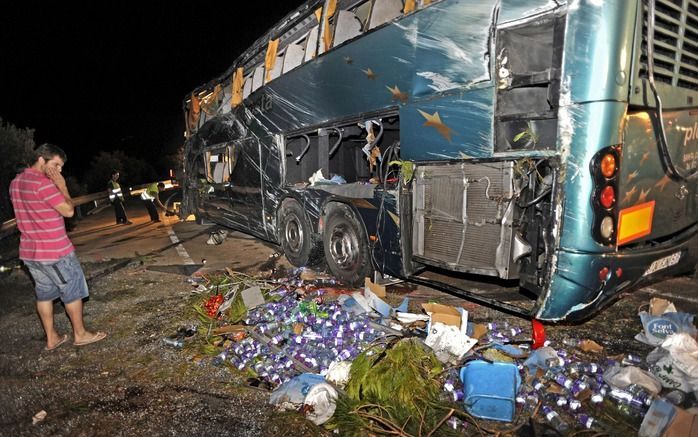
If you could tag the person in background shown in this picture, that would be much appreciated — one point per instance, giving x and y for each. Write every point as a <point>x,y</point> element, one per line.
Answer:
<point>41,200</point>
<point>151,198</point>
<point>116,197</point>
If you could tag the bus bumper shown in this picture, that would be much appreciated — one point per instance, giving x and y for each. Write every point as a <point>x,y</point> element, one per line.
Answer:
<point>584,283</point>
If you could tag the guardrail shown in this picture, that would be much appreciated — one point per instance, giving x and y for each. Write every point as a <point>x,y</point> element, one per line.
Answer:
<point>8,228</point>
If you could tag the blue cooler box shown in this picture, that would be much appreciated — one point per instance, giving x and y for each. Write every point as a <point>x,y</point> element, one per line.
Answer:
<point>489,389</point>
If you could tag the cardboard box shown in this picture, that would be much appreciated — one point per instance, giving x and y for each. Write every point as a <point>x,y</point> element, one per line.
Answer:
<point>447,315</point>
<point>377,289</point>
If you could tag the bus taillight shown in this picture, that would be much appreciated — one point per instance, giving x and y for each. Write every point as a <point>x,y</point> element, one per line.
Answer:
<point>606,228</point>
<point>608,165</point>
<point>604,171</point>
<point>608,197</point>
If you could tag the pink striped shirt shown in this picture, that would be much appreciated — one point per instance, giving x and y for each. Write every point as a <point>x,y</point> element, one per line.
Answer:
<point>34,199</point>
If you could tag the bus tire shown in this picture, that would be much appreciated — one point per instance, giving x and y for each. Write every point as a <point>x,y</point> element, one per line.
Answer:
<point>346,246</point>
<point>295,233</point>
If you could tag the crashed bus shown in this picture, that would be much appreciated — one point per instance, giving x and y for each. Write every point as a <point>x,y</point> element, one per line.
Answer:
<point>553,144</point>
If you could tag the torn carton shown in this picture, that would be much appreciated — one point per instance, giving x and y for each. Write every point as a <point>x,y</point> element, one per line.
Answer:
<point>382,307</point>
<point>447,315</point>
<point>447,331</point>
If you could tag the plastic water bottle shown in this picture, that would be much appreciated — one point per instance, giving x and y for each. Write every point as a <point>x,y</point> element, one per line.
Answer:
<point>571,342</point>
<point>585,420</point>
<point>555,419</point>
<point>177,343</point>
<point>631,360</point>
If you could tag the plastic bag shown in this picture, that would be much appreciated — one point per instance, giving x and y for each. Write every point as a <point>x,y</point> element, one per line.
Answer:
<point>675,363</point>
<point>448,339</point>
<point>622,377</point>
<point>658,327</point>
<point>307,389</point>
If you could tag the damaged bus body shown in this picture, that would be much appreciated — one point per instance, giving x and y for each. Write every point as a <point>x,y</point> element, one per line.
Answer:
<point>549,142</point>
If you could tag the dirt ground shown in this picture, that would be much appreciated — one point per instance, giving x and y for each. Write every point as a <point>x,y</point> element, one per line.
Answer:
<point>131,383</point>
<point>128,384</point>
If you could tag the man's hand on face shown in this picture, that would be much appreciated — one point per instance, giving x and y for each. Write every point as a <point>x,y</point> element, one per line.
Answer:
<point>55,175</point>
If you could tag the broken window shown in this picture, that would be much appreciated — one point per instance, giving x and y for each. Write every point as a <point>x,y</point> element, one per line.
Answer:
<point>384,11</point>
<point>220,163</point>
<point>527,74</point>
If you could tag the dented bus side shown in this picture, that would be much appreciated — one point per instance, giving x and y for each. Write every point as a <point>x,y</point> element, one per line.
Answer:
<point>514,139</point>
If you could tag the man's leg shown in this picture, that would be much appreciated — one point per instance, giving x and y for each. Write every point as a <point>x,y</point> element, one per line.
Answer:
<point>73,291</point>
<point>74,311</point>
<point>116,212</point>
<point>45,310</point>
<point>152,210</point>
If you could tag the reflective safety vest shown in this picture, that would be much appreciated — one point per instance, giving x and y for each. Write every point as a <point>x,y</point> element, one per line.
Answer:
<point>115,191</point>
<point>150,193</point>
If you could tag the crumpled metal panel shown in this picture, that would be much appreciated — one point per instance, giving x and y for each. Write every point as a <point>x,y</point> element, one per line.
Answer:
<point>435,52</point>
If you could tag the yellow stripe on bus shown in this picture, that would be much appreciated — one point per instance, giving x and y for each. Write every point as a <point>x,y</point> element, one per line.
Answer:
<point>635,222</point>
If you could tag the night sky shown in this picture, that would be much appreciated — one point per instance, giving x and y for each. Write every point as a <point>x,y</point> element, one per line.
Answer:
<point>108,75</point>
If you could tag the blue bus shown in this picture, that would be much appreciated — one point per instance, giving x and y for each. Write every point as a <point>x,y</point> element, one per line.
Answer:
<point>547,143</point>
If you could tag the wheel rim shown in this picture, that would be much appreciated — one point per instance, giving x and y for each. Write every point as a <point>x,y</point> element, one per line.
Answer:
<point>293,233</point>
<point>344,247</point>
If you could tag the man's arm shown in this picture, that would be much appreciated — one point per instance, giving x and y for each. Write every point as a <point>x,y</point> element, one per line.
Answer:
<point>65,208</point>
<point>159,204</point>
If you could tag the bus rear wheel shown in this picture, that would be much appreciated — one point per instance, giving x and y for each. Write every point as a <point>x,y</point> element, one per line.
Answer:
<point>295,234</point>
<point>346,246</point>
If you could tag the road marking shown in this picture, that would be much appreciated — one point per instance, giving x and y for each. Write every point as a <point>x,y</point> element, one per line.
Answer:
<point>661,293</point>
<point>179,248</point>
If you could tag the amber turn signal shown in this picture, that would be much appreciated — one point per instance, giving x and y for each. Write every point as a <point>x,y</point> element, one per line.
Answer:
<point>608,165</point>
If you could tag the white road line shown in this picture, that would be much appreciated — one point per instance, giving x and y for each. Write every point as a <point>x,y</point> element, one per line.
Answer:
<point>179,248</point>
<point>667,294</point>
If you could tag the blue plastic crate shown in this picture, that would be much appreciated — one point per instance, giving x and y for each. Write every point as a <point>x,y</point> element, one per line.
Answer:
<point>490,389</point>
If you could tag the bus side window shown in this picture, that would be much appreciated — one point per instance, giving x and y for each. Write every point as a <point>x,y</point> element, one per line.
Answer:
<point>218,168</point>
<point>258,77</point>
<point>311,44</point>
<point>348,26</point>
<point>247,87</point>
<point>294,55</point>
<point>384,11</point>
<point>278,65</point>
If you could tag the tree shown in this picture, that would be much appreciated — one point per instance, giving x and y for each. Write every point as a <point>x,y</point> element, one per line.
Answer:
<point>133,171</point>
<point>17,147</point>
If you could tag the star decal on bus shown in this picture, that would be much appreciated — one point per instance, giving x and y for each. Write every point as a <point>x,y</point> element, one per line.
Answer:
<point>397,94</point>
<point>643,195</point>
<point>370,74</point>
<point>434,120</point>
<point>633,175</point>
<point>629,195</point>
<point>663,182</point>
<point>645,157</point>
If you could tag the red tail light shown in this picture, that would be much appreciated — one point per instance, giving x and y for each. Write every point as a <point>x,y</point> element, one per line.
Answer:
<point>608,197</point>
<point>604,167</point>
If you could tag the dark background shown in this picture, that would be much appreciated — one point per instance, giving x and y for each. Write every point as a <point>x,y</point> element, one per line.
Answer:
<point>104,76</point>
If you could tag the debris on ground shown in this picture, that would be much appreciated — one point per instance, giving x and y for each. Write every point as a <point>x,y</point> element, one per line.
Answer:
<point>354,361</point>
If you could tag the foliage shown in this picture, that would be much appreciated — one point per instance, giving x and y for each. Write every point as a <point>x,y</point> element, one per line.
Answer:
<point>17,146</point>
<point>528,135</point>
<point>393,389</point>
<point>407,168</point>
<point>133,171</point>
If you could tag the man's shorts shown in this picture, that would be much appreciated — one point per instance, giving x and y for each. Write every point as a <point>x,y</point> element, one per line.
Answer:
<point>62,279</point>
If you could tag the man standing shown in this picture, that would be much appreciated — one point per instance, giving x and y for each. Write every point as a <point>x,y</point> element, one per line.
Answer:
<point>40,200</point>
<point>151,197</point>
<point>116,197</point>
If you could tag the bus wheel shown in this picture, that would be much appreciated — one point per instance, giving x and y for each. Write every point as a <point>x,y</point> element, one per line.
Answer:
<point>346,246</point>
<point>295,233</point>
